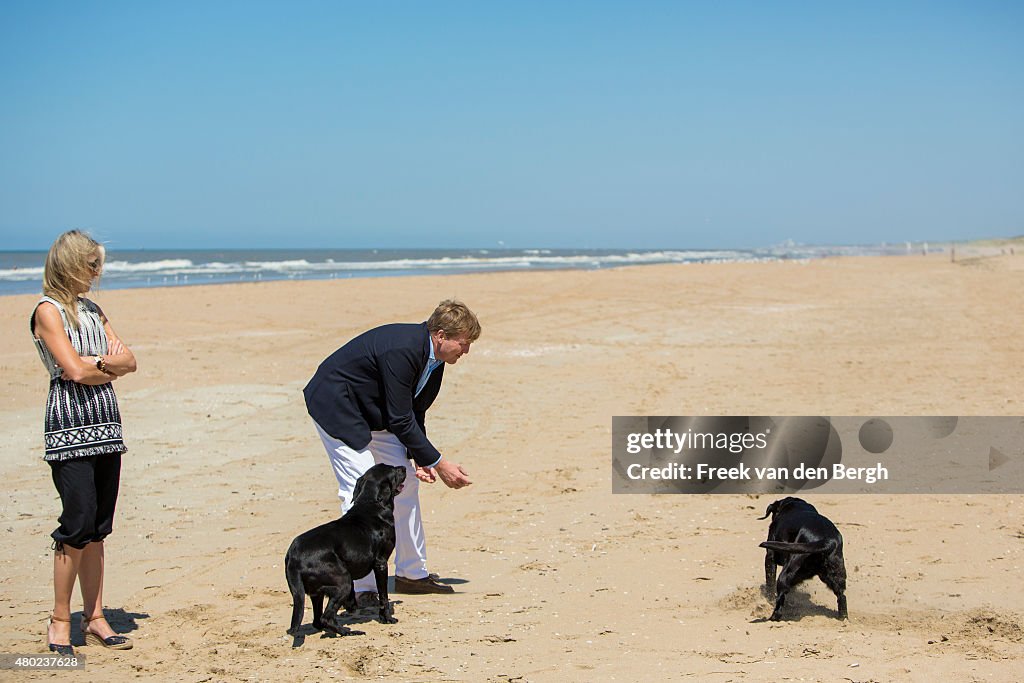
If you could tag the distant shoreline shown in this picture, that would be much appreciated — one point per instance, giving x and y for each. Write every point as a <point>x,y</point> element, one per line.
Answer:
<point>21,272</point>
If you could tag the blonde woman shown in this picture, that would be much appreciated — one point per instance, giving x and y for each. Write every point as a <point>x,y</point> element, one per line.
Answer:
<point>83,432</point>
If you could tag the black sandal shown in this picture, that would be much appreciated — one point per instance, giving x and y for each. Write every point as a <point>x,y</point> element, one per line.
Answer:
<point>111,642</point>
<point>62,650</point>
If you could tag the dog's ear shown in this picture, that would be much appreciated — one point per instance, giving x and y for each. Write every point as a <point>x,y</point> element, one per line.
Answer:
<point>771,509</point>
<point>358,490</point>
<point>385,494</point>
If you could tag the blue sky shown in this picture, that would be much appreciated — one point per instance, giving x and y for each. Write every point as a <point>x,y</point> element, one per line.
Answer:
<point>529,124</point>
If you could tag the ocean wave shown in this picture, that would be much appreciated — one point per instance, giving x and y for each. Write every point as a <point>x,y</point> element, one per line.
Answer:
<point>531,260</point>
<point>118,270</point>
<point>114,267</point>
<point>22,272</point>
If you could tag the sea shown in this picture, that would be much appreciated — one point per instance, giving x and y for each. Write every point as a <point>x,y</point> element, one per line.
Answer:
<point>21,272</point>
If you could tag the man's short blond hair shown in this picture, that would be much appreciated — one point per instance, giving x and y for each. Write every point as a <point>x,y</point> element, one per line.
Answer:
<point>455,319</point>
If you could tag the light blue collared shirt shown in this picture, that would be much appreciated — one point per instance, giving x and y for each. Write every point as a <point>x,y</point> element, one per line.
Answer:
<point>432,364</point>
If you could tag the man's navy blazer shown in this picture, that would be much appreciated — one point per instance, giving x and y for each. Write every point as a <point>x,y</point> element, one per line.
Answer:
<point>368,385</point>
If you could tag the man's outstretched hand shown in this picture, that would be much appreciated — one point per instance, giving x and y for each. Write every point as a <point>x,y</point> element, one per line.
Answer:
<point>452,474</point>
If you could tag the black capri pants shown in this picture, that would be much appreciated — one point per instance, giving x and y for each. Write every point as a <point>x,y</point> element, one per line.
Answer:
<point>88,492</point>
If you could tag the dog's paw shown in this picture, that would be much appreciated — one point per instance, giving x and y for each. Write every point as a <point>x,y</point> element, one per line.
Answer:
<point>387,620</point>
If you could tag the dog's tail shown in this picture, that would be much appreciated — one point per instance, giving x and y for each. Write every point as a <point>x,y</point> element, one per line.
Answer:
<point>294,579</point>
<point>824,546</point>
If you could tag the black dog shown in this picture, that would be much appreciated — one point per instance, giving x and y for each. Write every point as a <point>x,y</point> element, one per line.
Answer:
<point>326,560</point>
<point>805,544</point>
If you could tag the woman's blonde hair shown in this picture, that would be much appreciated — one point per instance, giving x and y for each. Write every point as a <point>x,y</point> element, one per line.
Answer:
<point>69,269</point>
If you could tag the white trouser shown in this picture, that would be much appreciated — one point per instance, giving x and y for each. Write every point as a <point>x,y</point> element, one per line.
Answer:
<point>349,465</point>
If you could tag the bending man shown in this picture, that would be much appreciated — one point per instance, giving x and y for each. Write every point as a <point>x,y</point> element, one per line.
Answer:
<point>368,401</point>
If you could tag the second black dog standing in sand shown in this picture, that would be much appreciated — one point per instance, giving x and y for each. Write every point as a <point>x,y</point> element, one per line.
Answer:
<point>325,560</point>
<point>805,544</point>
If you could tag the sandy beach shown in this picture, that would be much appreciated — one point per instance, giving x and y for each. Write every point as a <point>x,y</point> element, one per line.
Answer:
<point>556,578</point>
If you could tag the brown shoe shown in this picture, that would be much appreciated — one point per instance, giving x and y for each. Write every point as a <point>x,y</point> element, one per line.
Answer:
<point>428,584</point>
